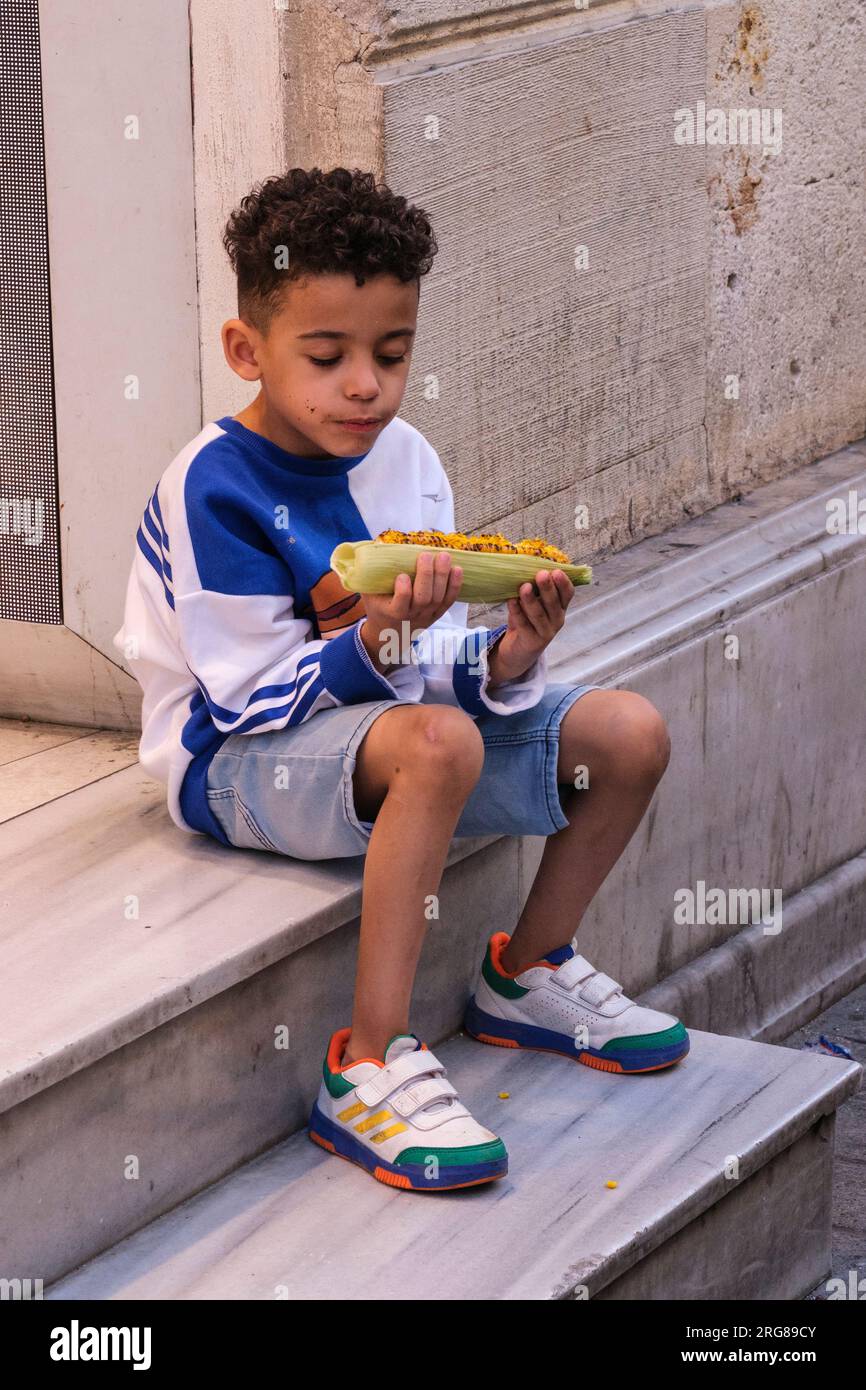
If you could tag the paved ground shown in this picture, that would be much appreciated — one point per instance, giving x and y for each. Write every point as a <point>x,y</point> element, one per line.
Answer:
<point>845,1023</point>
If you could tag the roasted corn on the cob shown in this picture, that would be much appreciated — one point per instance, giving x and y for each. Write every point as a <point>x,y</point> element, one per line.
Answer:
<point>487,543</point>
<point>493,567</point>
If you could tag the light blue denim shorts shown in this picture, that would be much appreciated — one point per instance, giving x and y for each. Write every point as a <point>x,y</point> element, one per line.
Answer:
<point>290,790</point>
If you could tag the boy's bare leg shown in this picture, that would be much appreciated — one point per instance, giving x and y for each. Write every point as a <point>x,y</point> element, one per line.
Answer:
<point>417,765</point>
<point>623,741</point>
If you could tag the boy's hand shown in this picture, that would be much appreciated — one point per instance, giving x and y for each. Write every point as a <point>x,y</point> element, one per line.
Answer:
<point>533,621</point>
<point>419,603</point>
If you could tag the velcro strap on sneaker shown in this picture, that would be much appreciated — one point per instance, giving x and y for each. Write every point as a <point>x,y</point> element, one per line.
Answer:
<point>412,1098</point>
<point>599,988</point>
<point>571,972</point>
<point>595,985</point>
<point>404,1068</point>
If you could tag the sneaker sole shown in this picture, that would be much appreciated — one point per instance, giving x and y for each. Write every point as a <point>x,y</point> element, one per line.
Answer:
<point>409,1176</point>
<point>504,1032</point>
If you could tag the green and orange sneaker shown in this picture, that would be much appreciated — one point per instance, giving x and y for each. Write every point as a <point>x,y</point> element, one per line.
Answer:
<point>401,1119</point>
<point>563,1004</point>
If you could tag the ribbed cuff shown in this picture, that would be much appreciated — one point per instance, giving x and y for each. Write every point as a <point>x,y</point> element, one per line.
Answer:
<point>470,667</point>
<point>348,671</point>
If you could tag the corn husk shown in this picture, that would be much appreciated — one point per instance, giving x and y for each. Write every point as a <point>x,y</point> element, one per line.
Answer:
<point>371,567</point>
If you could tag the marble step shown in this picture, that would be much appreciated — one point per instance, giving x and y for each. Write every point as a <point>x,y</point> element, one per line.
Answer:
<point>166,999</point>
<point>723,1165</point>
<point>39,762</point>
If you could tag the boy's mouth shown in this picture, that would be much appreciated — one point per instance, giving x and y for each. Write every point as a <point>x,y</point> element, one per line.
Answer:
<point>361,425</point>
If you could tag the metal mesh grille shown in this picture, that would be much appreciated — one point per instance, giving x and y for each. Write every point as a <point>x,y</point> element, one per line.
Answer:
<point>29,557</point>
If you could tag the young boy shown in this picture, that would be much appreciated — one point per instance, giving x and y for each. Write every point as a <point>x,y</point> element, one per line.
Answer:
<point>276,713</point>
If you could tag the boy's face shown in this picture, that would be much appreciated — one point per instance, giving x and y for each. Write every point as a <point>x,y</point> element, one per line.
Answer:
<point>335,352</point>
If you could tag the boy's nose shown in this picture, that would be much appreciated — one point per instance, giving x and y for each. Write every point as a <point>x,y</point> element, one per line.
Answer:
<point>362,392</point>
<point>361,385</point>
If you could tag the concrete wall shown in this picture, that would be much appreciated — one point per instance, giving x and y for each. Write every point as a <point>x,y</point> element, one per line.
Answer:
<point>240,131</point>
<point>121,239</point>
<point>530,131</point>
<point>787,312</point>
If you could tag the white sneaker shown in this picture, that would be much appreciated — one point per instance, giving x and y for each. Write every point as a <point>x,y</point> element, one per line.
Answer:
<point>401,1119</point>
<point>561,1003</point>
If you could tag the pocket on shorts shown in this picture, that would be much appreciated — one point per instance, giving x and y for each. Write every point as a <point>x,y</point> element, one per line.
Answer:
<point>237,820</point>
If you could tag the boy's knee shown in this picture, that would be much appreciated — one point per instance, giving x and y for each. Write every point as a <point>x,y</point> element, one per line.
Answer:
<point>638,735</point>
<point>444,741</point>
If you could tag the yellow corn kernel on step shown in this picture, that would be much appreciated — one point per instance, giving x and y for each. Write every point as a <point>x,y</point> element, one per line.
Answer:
<point>371,567</point>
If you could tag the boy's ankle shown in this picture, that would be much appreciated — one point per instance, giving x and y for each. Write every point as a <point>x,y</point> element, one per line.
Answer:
<point>359,1052</point>
<point>509,967</point>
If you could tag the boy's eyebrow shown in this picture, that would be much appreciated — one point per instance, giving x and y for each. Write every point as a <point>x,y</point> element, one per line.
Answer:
<point>331,333</point>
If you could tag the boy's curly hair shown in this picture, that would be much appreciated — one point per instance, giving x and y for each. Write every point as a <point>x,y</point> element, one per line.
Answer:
<point>307,222</point>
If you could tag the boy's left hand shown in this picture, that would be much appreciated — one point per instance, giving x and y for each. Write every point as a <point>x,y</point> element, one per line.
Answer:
<point>533,622</point>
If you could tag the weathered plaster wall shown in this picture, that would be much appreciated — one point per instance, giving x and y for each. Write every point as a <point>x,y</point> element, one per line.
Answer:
<point>787,307</point>
<point>529,132</point>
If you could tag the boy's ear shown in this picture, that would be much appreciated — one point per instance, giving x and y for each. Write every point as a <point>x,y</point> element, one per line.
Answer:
<point>240,349</point>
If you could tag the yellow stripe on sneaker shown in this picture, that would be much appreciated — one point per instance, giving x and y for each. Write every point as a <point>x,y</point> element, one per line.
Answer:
<point>386,1133</point>
<point>351,1111</point>
<point>373,1120</point>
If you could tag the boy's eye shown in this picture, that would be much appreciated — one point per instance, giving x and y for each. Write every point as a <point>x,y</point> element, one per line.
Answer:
<point>329,361</point>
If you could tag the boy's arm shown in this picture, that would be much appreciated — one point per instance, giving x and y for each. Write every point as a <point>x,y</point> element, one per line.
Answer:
<point>233,601</point>
<point>454,658</point>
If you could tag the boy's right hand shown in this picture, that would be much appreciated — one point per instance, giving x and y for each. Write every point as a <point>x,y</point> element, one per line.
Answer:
<point>419,604</point>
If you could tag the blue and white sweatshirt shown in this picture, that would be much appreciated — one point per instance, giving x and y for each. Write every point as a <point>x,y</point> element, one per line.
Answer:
<point>235,622</point>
